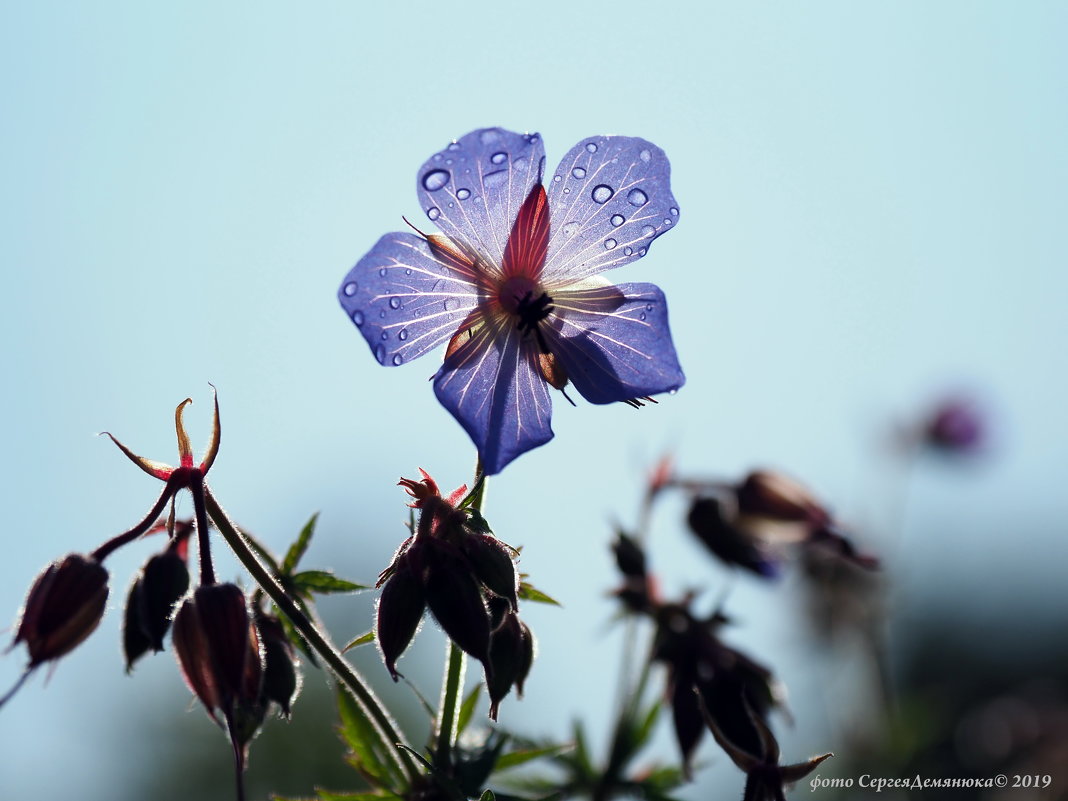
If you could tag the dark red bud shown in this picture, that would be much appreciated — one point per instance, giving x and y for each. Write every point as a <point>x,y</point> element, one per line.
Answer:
<point>506,658</point>
<point>63,607</point>
<point>777,497</point>
<point>456,601</point>
<point>218,648</point>
<point>135,641</point>
<point>492,562</point>
<point>400,610</point>
<point>686,716</point>
<point>281,680</point>
<point>164,582</point>
<point>728,543</point>
<point>526,660</point>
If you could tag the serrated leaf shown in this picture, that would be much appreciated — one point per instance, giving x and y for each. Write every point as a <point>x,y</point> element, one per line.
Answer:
<point>359,734</point>
<point>297,549</point>
<point>363,639</point>
<point>323,582</point>
<point>528,592</point>
<point>467,709</point>
<point>521,757</point>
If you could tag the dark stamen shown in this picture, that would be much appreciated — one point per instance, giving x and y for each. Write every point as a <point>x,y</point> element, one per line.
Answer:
<point>531,312</point>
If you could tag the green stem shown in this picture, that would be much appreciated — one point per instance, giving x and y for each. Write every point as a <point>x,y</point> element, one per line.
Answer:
<point>449,709</point>
<point>384,726</point>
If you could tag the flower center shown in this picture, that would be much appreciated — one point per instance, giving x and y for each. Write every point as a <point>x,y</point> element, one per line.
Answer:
<point>524,298</point>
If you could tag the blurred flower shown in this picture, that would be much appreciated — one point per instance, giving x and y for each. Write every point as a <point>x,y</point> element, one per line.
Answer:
<point>954,426</point>
<point>511,283</point>
<point>765,778</point>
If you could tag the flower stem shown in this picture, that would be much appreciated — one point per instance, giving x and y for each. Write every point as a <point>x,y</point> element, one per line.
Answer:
<point>449,710</point>
<point>383,724</point>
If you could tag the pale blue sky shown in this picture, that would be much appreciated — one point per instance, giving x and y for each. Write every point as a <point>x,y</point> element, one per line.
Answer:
<point>873,201</point>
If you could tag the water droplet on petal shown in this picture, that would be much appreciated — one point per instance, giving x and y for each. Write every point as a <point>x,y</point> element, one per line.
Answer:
<point>578,172</point>
<point>452,304</point>
<point>649,307</point>
<point>385,336</point>
<point>570,229</point>
<point>381,272</point>
<point>618,220</point>
<point>648,231</point>
<point>628,251</point>
<point>463,194</point>
<point>674,212</point>
<point>489,136</point>
<point>673,391</point>
<point>667,221</point>
<point>394,302</point>
<point>642,252</point>
<point>592,147</point>
<point>556,179</point>
<point>408,271</point>
<point>609,244</point>
<point>435,179</point>
<point>350,288</point>
<point>645,155</point>
<point>380,354</point>
<point>382,314</point>
<point>357,317</point>
<point>637,197</point>
<point>402,334</point>
<point>641,316</point>
<point>397,359</point>
<point>433,213</point>
<point>495,178</point>
<point>498,158</point>
<point>602,193</point>
<point>454,146</point>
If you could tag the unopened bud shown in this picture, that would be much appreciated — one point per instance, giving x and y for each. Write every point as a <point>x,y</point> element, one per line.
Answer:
<point>630,558</point>
<point>400,610</point>
<point>776,497</point>
<point>456,601</point>
<point>492,563</point>
<point>281,679</point>
<point>729,543</point>
<point>64,606</point>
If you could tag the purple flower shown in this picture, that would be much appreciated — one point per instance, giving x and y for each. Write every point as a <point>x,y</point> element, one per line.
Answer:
<point>512,283</point>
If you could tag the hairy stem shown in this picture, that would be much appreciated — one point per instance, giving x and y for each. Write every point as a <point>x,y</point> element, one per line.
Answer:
<point>384,725</point>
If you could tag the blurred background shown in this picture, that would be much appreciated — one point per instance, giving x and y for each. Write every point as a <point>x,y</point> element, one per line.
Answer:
<point>873,200</point>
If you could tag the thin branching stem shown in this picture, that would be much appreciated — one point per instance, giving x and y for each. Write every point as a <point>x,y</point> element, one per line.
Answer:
<point>129,536</point>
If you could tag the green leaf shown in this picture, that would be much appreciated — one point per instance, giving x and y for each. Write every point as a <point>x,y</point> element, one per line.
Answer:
<point>645,728</point>
<point>467,709</point>
<point>323,582</point>
<point>477,522</point>
<point>514,758</point>
<point>529,593</point>
<point>363,639</point>
<point>297,549</point>
<point>487,795</point>
<point>358,733</point>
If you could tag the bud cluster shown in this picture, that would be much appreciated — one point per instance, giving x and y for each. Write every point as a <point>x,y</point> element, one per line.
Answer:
<point>454,566</point>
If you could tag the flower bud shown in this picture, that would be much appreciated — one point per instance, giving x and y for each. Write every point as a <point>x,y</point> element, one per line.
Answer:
<point>218,649</point>
<point>492,563</point>
<point>729,543</point>
<point>400,610</point>
<point>511,654</point>
<point>150,604</point>
<point>456,601</point>
<point>64,606</point>
<point>956,427</point>
<point>776,497</point>
<point>281,679</point>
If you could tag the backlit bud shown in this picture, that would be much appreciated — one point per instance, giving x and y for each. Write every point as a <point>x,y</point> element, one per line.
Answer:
<point>400,610</point>
<point>163,582</point>
<point>456,602</point>
<point>281,679</point>
<point>492,563</point>
<point>777,497</point>
<point>731,544</point>
<point>64,606</point>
